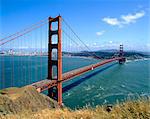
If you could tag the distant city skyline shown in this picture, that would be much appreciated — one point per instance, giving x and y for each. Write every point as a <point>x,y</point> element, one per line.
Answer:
<point>101,24</point>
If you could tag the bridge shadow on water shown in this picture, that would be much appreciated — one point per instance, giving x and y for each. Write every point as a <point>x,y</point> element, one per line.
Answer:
<point>79,81</point>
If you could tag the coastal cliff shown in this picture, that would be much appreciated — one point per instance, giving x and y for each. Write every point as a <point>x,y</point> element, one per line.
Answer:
<point>27,103</point>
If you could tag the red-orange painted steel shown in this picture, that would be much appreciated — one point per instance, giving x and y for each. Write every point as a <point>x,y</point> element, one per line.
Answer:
<point>54,84</point>
<point>85,69</point>
<point>45,84</point>
<point>59,85</point>
<point>55,93</point>
<point>121,53</point>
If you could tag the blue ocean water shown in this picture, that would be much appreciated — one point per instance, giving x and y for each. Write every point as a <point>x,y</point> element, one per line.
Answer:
<point>103,85</point>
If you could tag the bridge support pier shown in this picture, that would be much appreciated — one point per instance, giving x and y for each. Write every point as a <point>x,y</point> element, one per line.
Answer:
<point>55,92</point>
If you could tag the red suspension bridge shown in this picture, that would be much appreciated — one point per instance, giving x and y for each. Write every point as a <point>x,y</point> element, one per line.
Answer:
<point>60,38</point>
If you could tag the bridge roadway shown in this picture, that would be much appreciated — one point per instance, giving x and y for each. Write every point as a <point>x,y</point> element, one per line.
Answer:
<point>47,83</point>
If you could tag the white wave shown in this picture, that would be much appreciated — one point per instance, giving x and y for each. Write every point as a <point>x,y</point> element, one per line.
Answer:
<point>101,88</point>
<point>145,94</point>
<point>123,86</point>
<point>110,95</point>
<point>127,61</point>
<point>68,94</point>
<point>105,101</point>
<point>97,96</point>
<point>89,87</point>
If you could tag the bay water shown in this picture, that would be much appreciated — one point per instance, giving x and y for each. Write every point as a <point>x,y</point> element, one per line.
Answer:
<point>105,85</point>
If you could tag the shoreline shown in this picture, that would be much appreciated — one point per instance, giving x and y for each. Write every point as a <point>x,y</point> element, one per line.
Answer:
<point>136,60</point>
<point>83,57</point>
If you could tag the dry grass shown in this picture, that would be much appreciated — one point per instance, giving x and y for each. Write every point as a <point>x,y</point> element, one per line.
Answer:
<point>18,100</point>
<point>138,109</point>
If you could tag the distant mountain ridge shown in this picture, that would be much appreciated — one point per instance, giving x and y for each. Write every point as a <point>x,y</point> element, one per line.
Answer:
<point>109,53</point>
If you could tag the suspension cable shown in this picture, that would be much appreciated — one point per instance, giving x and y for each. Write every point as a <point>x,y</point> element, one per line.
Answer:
<point>22,34</point>
<point>79,38</point>
<point>77,43</point>
<point>24,29</point>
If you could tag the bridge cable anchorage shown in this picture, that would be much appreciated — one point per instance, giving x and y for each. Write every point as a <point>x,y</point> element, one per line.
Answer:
<point>24,29</point>
<point>20,35</point>
<point>80,38</point>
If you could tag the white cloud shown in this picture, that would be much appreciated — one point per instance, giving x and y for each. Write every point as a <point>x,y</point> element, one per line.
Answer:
<point>100,33</point>
<point>131,18</point>
<point>94,43</point>
<point>110,42</point>
<point>111,21</point>
<point>124,19</point>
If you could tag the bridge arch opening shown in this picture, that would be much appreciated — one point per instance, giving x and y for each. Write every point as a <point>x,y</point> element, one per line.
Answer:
<point>55,39</point>
<point>54,54</point>
<point>55,26</point>
<point>54,71</point>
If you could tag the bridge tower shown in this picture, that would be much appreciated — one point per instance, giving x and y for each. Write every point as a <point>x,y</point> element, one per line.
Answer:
<point>121,53</point>
<point>55,92</point>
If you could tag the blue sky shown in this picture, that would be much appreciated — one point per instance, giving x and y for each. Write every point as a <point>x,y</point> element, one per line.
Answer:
<point>101,24</point>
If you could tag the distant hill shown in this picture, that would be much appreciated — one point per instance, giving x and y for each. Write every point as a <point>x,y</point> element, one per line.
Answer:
<point>104,54</point>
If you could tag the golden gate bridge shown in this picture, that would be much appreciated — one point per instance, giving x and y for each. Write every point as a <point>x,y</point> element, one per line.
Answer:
<point>48,38</point>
